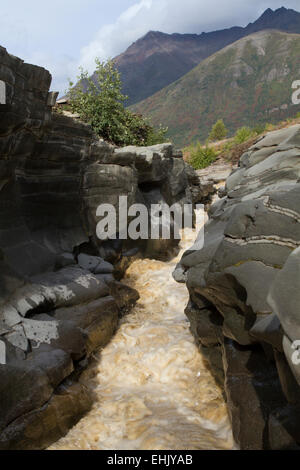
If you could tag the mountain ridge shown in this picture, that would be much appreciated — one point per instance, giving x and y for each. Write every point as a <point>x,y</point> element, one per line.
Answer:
<point>246,83</point>
<point>158,59</point>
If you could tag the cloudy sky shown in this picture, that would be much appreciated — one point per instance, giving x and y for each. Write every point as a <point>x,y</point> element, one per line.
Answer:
<point>64,34</point>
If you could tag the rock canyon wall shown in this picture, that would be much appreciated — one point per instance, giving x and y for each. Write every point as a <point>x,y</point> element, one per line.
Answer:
<point>60,292</point>
<point>244,292</point>
<point>60,299</point>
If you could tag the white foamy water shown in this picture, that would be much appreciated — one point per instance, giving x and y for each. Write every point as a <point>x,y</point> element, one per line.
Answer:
<point>152,388</point>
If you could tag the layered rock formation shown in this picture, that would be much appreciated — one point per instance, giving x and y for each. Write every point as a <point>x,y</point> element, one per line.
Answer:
<point>244,293</point>
<point>59,297</point>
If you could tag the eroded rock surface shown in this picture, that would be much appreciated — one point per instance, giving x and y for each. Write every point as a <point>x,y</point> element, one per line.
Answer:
<point>60,299</point>
<point>244,292</point>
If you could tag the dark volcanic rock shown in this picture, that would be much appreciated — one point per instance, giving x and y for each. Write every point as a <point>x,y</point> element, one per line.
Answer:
<point>41,427</point>
<point>59,299</point>
<point>249,272</point>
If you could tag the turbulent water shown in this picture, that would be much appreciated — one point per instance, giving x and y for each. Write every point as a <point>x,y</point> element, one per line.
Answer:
<point>152,388</point>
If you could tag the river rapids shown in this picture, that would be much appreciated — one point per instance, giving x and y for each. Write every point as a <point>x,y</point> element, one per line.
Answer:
<point>152,388</point>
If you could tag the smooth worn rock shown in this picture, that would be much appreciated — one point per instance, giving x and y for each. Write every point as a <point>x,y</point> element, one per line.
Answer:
<point>125,296</point>
<point>95,264</point>
<point>43,426</point>
<point>249,272</point>
<point>253,390</point>
<point>288,382</point>
<point>59,299</point>
<point>29,384</point>
<point>284,295</point>
<point>205,324</point>
<point>283,429</point>
<point>268,329</point>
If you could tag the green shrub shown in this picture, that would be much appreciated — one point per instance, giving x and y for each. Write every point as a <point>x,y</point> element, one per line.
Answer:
<point>100,103</point>
<point>201,157</point>
<point>218,131</point>
<point>269,127</point>
<point>228,145</point>
<point>259,129</point>
<point>243,134</point>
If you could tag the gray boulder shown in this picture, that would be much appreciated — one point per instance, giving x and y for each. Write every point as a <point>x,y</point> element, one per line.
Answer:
<point>248,271</point>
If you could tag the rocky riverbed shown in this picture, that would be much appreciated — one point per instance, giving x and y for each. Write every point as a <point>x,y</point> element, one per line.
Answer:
<point>151,386</point>
<point>60,299</point>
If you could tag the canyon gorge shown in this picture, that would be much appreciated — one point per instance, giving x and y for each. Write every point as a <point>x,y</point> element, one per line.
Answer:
<point>103,348</point>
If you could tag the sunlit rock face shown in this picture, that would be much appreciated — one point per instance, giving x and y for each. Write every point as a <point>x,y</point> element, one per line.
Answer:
<point>244,292</point>
<point>56,309</point>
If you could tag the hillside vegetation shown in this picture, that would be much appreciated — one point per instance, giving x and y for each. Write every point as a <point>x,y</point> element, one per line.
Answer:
<point>230,150</point>
<point>100,103</point>
<point>246,84</point>
<point>158,59</point>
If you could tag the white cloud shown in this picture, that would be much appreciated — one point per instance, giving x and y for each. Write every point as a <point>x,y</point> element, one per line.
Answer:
<point>188,16</point>
<point>66,36</point>
<point>113,38</point>
<point>62,67</point>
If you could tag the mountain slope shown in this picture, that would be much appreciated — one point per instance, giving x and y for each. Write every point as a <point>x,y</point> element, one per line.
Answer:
<point>246,83</point>
<point>158,59</point>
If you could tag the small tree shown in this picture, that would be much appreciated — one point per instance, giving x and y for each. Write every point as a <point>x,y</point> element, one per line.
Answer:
<point>201,156</point>
<point>100,103</point>
<point>218,131</point>
<point>243,134</point>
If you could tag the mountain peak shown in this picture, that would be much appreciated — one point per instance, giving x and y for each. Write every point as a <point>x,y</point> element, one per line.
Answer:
<point>270,13</point>
<point>267,12</point>
<point>190,106</point>
<point>158,59</point>
<point>153,34</point>
<point>281,19</point>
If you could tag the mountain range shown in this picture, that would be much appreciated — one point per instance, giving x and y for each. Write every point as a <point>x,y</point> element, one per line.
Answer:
<point>158,59</point>
<point>247,83</point>
<point>241,74</point>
